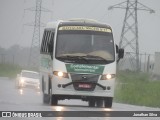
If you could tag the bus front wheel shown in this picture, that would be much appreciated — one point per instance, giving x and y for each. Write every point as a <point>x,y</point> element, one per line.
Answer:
<point>45,98</point>
<point>99,103</point>
<point>108,102</point>
<point>53,99</point>
<point>91,103</point>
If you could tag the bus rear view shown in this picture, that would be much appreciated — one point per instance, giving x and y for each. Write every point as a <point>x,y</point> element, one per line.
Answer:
<point>79,62</point>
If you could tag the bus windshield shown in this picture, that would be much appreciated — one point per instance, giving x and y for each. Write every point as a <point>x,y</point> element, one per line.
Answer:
<point>85,47</point>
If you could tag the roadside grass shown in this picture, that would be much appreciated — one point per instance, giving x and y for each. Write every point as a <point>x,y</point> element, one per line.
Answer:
<point>9,70</point>
<point>137,89</point>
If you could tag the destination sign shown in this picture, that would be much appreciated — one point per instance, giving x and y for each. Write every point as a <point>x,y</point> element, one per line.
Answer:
<point>86,28</point>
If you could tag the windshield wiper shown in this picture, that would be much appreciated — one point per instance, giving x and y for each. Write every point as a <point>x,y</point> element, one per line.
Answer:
<point>70,57</point>
<point>94,57</point>
<point>87,58</point>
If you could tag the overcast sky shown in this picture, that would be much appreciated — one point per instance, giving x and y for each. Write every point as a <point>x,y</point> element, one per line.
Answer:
<point>13,18</point>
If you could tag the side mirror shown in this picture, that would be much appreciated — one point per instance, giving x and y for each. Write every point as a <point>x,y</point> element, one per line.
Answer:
<point>121,53</point>
<point>117,49</point>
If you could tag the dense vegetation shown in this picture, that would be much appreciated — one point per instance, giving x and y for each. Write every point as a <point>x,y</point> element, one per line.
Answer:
<point>9,70</point>
<point>137,89</point>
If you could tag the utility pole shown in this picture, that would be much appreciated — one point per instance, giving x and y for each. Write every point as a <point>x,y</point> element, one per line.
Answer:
<point>35,45</point>
<point>148,64</point>
<point>129,35</point>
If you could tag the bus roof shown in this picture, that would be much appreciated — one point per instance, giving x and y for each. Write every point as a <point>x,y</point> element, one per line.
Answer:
<point>78,21</point>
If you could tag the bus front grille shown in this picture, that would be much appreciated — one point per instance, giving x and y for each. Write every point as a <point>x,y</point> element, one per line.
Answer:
<point>84,82</point>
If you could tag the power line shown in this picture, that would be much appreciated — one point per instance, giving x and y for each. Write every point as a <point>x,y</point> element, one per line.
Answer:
<point>129,34</point>
<point>35,46</point>
<point>37,24</point>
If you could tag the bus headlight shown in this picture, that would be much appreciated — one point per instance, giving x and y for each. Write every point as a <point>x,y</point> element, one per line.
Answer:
<point>108,76</point>
<point>61,74</point>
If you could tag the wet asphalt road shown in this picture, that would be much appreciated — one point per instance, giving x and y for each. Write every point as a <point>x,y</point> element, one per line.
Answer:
<point>13,99</point>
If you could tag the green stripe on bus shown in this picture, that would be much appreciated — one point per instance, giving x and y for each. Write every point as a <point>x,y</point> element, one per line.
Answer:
<point>83,68</point>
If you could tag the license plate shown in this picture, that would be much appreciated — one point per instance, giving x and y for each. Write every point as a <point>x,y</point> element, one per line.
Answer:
<point>84,86</point>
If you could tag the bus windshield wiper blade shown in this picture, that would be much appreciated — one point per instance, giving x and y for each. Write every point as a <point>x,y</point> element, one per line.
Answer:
<point>97,58</point>
<point>87,58</point>
<point>70,56</point>
<point>74,57</point>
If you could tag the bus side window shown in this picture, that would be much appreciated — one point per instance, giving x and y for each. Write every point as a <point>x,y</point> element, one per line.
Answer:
<point>51,44</point>
<point>47,42</point>
<point>43,42</point>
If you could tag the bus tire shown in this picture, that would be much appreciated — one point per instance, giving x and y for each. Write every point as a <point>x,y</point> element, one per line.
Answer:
<point>45,98</point>
<point>91,103</point>
<point>53,100</point>
<point>108,102</point>
<point>43,84</point>
<point>99,103</point>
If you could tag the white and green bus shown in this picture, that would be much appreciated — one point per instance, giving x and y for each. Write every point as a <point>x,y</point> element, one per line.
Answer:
<point>78,61</point>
